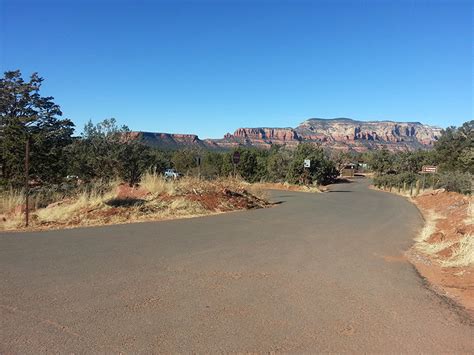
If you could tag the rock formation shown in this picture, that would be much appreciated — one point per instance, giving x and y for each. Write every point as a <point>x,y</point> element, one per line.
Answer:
<point>172,141</point>
<point>337,133</point>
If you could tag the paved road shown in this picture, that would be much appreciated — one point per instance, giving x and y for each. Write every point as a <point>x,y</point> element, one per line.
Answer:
<point>319,272</point>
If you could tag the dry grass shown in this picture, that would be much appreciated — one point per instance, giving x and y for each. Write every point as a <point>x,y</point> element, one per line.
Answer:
<point>183,206</point>
<point>59,212</point>
<point>157,184</point>
<point>462,249</point>
<point>463,253</point>
<point>470,213</point>
<point>155,199</point>
<point>62,211</point>
<point>429,228</point>
<point>10,200</point>
<point>286,186</point>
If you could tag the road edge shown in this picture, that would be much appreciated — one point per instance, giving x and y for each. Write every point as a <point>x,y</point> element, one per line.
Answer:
<point>413,256</point>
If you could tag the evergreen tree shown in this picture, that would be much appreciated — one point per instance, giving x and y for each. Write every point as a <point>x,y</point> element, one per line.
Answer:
<point>134,159</point>
<point>455,148</point>
<point>26,115</point>
<point>322,170</point>
<point>95,155</point>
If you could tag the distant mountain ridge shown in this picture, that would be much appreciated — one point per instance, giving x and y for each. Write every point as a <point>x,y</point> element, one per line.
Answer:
<point>334,133</point>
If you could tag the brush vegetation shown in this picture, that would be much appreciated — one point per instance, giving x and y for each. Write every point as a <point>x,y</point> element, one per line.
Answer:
<point>72,178</point>
<point>154,199</point>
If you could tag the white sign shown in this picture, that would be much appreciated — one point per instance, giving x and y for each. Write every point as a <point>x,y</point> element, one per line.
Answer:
<point>307,163</point>
<point>429,169</point>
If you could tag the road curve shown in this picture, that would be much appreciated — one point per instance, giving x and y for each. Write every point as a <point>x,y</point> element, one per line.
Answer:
<point>318,272</point>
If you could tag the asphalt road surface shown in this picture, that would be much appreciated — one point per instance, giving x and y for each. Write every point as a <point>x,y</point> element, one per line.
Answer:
<point>318,272</point>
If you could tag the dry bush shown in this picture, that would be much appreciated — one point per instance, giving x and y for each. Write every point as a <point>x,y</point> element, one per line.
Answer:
<point>196,185</point>
<point>104,203</point>
<point>158,185</point>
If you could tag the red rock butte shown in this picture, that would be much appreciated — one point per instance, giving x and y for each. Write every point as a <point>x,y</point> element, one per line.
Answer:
<point>336,133</point>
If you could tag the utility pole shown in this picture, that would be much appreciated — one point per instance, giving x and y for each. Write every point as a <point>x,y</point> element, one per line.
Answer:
<point>27,178</point>
<point>198,162</point>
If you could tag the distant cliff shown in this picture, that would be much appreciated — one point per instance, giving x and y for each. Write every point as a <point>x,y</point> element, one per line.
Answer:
<point>337,133</point>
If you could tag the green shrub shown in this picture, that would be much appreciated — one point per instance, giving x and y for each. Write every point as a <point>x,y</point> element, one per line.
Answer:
<point>455,181</point>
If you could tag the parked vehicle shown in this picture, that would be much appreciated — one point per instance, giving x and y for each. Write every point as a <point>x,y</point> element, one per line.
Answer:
<point>172,174</point>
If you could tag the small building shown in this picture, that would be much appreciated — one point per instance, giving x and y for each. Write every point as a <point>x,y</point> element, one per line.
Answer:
<point>350,169</point>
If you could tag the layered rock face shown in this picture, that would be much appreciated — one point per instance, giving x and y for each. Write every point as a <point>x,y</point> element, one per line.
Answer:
<point>260,137</point>
<point>267,134</point>
<point>337,133</point>
<point>340,133</point>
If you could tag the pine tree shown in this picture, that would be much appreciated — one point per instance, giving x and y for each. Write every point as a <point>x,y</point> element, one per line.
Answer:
<point>25,114</point>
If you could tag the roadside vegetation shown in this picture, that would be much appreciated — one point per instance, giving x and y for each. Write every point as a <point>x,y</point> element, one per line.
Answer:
<point>70,173</point>
<point>156,199</point>
<point>106,151</point>
<point>71,179</point>
<point>453,154</point>
<point>443,252</point>
<point>443,197</point>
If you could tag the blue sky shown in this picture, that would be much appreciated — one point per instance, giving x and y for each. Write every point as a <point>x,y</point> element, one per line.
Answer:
<point>209,67</point>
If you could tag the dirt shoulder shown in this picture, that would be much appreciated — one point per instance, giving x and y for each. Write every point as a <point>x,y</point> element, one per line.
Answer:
<point>153,201</point>
<point>443,252</point>
<point>286,187</point>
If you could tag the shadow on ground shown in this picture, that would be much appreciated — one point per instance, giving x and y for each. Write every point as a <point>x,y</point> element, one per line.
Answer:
<point>125,202</point>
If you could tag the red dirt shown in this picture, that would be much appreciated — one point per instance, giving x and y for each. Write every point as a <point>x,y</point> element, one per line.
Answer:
<point>126,191</point>
<point>214,198</point>
<point>456,283</point>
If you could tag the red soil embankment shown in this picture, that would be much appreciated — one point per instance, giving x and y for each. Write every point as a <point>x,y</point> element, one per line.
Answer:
<point>444,254</point>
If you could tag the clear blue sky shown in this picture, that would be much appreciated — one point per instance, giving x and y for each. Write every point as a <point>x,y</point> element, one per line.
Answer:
<point>208,67</point>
